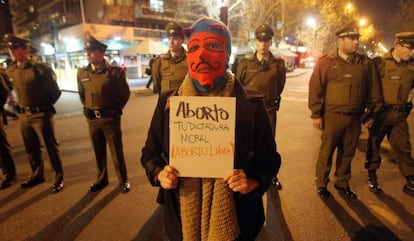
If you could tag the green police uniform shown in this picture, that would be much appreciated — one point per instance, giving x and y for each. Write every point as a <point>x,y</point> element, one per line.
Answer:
<point>37,91</point>
<point>397,79</point>
<point>6,160</point>
<point>267,76</point>
<point>167,71</point>
<point>339,91</point>
<point>104,92</point>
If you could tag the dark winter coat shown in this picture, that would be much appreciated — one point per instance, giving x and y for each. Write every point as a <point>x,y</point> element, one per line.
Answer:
<point>255,153</point>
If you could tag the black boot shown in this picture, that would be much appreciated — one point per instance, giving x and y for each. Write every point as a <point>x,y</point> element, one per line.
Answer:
<point>410,183</point>
<point>373,182</point>
<point>277,183</point>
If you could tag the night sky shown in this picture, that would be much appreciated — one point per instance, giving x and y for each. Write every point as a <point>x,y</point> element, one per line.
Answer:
<point>379,12</point>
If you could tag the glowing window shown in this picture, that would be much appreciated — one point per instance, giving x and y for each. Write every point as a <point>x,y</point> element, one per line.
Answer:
<point>157,6</point>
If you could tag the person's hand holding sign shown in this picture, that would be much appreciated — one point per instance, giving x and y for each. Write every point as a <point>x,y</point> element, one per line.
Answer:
<point>239,182</point>
<point>168,177</point>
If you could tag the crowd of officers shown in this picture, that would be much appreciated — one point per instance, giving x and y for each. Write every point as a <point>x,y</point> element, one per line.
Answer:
<point>103,91</point>
<point>345,90</point>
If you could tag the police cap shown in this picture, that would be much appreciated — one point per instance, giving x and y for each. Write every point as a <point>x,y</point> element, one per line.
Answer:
<point>14,42</point>
<point>264,32</point>
<point>406,39</point>
<point>351,29</point>
<point>174,29</point>
<point>92,43</point>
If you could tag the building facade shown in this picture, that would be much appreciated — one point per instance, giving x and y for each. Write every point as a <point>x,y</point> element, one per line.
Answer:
<point>56,28</point>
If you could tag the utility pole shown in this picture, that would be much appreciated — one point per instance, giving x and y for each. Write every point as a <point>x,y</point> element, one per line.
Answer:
<point>82,11</point>
<point>223,15</point>
<point>283,18</point>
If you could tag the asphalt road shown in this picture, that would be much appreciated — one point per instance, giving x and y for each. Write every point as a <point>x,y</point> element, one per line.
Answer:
<point>294,213</point>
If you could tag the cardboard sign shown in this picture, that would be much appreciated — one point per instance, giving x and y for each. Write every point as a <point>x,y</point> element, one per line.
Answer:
<point>202,131</point>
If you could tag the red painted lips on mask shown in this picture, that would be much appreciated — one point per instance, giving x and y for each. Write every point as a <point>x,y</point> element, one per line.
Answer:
<point>206,57</point>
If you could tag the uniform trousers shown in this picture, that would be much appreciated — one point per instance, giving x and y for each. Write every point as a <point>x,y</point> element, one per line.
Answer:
<point>38,132</point>
<point>108,130</point>
<point>272,114</point>
<point>6,160</point>
<point>395,126</point>
<point>341,132</point>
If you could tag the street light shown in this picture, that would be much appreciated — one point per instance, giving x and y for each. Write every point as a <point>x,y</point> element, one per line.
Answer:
<point>349,7</point>
<point>311,22</point>
<point>363,22</point>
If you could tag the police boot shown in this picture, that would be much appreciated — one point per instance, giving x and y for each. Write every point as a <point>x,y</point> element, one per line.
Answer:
<point>276,182</point>
<point>410,183</point>
<point>373,182</point>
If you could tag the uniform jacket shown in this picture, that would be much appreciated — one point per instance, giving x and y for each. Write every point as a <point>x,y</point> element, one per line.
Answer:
<point>397,79</point>
<point>35,85</point>
<point>168,72</point>
<point>268,78</point>
<point>255,153</point>
<point>344,87</point>
<point>4,88</point>
<point>105,89</point>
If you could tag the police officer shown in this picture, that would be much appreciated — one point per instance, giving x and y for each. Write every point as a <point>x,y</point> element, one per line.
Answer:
<point>148,70</point>
<point>342,85</point>
<point>104,92</point>
<point>169,70</point>
<point>6,160</point>
<point>37,91</point>
<point>396,70</point>
<point>265,73</point>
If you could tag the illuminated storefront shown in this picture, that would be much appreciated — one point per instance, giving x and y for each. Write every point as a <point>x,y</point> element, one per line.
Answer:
<point>68,54</point>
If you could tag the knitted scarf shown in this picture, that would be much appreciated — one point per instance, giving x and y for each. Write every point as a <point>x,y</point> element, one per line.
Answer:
<point>207,205</point>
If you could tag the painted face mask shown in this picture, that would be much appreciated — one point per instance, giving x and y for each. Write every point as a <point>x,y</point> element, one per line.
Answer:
<point>207,59</point>
<point>209,47</point>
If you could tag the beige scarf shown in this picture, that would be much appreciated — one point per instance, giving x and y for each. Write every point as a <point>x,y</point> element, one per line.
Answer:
<point>207,206</point>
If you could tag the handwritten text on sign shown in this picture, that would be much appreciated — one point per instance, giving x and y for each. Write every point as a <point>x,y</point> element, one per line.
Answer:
<point>202,135</point>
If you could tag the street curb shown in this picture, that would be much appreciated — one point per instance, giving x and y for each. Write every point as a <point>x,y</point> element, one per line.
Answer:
<point>142,92</point>
<point>296,74</point>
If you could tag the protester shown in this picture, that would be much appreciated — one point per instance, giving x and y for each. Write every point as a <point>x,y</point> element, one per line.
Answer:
<point>235,201</point>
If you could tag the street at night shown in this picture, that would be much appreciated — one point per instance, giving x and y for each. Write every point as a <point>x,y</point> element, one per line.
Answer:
<point>294,213</point>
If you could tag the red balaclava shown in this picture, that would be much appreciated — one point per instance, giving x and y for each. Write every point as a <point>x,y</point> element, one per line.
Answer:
<point>209,49</point>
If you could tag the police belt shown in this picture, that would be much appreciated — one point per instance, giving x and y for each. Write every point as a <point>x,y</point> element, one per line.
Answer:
<point>30,109</point>
<point>396,108</point>
<point>347,113</point>
<point>98,114</point>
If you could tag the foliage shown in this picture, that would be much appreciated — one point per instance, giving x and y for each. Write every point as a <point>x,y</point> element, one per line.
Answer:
<point>286,17</point>
<point>330,16</point>
<point>243,15</point>
<point>404,19</point>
